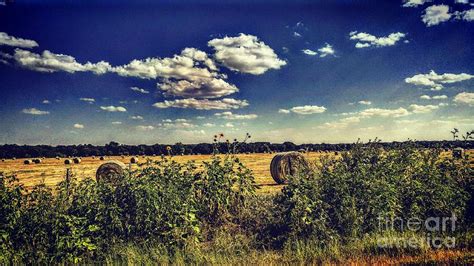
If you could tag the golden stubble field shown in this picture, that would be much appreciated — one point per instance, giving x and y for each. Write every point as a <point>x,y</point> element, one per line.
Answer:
<point>51,171</point>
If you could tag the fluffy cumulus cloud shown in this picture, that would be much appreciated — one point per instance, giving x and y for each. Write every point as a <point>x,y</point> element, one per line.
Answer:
<point>436,97</point>
<point>6,39</point>
<point>34,111</point>
<point>422,109</point>
<point>246,54</point>
<point>232,116</point>
<point>189,74</point>
<point>414,3</point>
<point>78,126</point>
<point>139,90</point>
<point>467,15</point>
<point>203,104</point>
<point>365,40</point>
<point>304,110</point>
<point>464,98</point>
<point>435,15</point>
<point>436,81</point>
<point>50,62</point>
<point>112,108</point>
<point>204,88</point>
<point>326,50</point>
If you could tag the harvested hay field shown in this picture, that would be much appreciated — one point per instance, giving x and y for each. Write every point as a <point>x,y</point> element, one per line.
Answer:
<point>52,171</point>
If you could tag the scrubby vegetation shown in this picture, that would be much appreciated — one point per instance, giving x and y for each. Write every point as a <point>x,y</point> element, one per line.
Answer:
<point>171,212</point>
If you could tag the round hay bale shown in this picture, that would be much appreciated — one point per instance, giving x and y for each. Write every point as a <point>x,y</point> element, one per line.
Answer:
<point>67,161</point>
<point>134,160</point>
<point>110,172</point>
<point>287,164</point>
<point>77,160</point>
<point>93,157</point>
<point>28,161</point>
<point>102,158</point>
<point>37,161</point>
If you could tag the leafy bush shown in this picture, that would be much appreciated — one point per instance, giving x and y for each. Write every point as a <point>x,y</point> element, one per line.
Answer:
<point>344,198</point>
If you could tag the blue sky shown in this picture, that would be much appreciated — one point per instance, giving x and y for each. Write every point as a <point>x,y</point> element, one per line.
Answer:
<point>305,71</point>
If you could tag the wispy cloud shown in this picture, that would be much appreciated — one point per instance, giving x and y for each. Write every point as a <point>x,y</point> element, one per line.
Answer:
<point>34,111</point>
<point>231,116</point>
<point>6,39</point>
<point>304,110</point>
<point>203,104</point>
<point>365,40</point>
<point>139,90</point>
<point>78,126</point>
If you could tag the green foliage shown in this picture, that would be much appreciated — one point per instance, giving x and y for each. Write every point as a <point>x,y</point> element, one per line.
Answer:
<point>165,203</point>
<point>345,197</point>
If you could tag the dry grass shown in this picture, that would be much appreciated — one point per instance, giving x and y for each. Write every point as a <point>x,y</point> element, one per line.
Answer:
<point>52,171</point>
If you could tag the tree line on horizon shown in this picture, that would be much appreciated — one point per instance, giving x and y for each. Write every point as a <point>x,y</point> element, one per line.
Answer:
<point>116,149</point>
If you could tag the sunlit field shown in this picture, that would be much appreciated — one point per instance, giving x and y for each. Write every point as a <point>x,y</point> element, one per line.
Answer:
<point>51,170</point>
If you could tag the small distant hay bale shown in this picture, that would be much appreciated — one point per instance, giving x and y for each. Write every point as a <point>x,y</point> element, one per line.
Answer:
<point>37,161</point>
<point>336,153</point>
<point>28,161</point>
<point>134,160</point>
<point>93,157</point>
<point>68,161</point>
<point>77,160</point>
<point>287,164</point>
<point>458,153</point>
<point>3,160</point>
<point>57,158</point>
<point>102,158</point>
<point>14,158</point>
<point>110,172</point>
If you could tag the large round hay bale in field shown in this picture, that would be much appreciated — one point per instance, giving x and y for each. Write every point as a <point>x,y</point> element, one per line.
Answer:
<point>102,158</point>
<point>77,160</point>
<point>110,172</point>
<point>28,161</point>
<point>37,161</point>
<point>134,160</point>
<point>67,161</point>
<point>287,164</point>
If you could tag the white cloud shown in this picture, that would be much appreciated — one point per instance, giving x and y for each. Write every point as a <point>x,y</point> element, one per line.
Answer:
<point>176,125</point>
<point>422,109</point>
<point>116,123</point>
<point>49,62</point>
<point>365,102</point>
<point>414,3</point>
<point>79,126</point>
<point>136,117</point>
<point>365,40</point>
<point>309,52</point>
<point>435,15</point>
<point>296,34</point>
<point>34,111</point>
<point>440,97</point>
<point>464,98</point>
<point>435,81</point>
<point>304,110</point>
<point>246,54</point>
<point>378,112</point>
<point>461,1</point>
<point>467,15</point>
<point>203,104</point>
<point>209,125</point>
<point>145,128</point>
<point>88,100</point>
<point>425,97</point>
<point>229,125</point>
<point>231,116</point>
<point>139,90</point>
<point>326,50</point>
<point>46,102</point>
<point>203,88</point>
<point>113,108</point>
<point>6,39</point>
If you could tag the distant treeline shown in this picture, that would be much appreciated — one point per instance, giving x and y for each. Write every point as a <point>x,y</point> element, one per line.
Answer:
<point>115,149</point>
